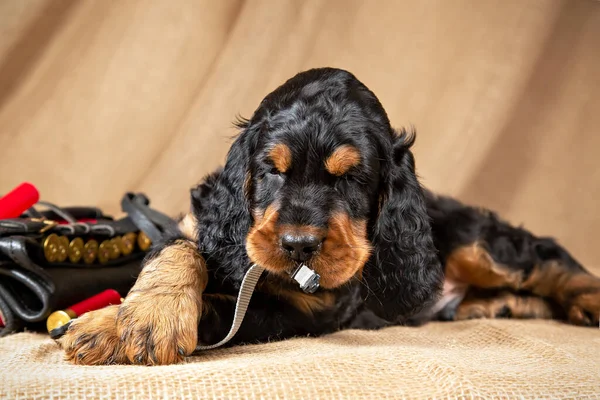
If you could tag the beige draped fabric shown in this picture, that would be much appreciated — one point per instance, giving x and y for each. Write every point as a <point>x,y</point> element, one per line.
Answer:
<point>102,97</point>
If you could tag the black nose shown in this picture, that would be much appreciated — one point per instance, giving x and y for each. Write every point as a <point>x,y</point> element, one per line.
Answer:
<point>300,248</point>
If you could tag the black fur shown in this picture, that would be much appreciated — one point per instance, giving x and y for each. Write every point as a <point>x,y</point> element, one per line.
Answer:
<point>411,230</point>
<point>405,270</point>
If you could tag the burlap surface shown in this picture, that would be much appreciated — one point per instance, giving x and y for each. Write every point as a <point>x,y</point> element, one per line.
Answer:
<point>473,359</point>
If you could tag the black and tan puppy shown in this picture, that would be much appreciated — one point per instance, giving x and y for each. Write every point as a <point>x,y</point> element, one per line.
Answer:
<point>318,176</point>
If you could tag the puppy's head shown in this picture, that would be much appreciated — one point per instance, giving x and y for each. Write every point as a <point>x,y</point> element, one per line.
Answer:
<point>330,184</point>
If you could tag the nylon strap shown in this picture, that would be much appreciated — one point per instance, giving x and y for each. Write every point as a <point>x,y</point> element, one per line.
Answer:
<point>241,306</point>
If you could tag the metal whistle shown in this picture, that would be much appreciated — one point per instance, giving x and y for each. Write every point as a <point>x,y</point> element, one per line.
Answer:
<point>306,278</point>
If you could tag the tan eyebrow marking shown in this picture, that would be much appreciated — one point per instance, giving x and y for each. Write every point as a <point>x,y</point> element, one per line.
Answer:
<point>281,156</point>
<point>342,159</point>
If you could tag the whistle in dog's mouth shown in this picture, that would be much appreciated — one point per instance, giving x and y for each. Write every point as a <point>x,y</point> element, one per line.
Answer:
<point>306,278</point>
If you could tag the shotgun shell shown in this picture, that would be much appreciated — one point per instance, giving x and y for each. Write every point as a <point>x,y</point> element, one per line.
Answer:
<point>90,251</point>
<point>101,300</point>
<point>128,243</point>
<point>18,200</point>
<point>143,241</point>
<point>59,318</point>
<point>76,250</point>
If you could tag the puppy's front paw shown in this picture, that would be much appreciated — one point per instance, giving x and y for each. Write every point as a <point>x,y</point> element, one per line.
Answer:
<point>158,328</point>
<point>585,309</point>
<point>471,310</point>
<point>581,296</point>
<point>92,339</point>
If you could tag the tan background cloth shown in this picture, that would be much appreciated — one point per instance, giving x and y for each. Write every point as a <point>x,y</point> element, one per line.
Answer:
<point>102,97</point>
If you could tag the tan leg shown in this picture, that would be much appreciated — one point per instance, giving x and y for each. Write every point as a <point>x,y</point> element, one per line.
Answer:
<point>158,321</point>
<point>504,305</point>
<point>574,289</point>
<point>577,291</point>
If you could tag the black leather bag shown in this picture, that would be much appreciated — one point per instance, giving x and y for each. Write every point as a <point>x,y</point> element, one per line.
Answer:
<point>52,259</point>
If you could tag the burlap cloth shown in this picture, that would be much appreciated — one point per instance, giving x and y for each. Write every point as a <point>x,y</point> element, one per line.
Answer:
<point>472,359</point>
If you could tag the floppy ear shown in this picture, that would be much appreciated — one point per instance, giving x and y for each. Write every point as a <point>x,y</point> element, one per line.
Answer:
<point>404,274</point>
<point>221,205</point>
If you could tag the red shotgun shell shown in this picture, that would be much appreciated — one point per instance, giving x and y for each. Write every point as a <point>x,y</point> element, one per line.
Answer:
<point>101,300</point>
<point>18,200</point>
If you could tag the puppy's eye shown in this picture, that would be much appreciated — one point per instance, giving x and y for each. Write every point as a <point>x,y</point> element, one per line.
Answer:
<point>275,171</point>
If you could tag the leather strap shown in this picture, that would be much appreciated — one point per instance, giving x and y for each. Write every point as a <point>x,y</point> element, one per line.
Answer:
<point>15,248</point>
<point>11,324</point>
<point>145,218</point>
<point>37,287</point>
